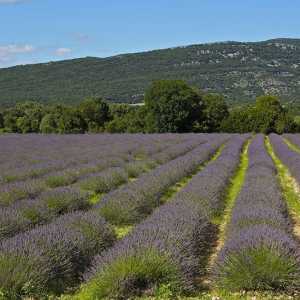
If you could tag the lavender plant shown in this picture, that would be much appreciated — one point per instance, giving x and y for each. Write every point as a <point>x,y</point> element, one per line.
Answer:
<point>25,214</point>
<point>132,202</point>
<point>289,157</point>
<point>50,258</point>
<point>105,181</point>
<point>259,252</point>
<point>170,246</point>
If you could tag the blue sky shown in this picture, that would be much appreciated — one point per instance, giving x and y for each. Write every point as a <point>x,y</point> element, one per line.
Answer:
<point>34,31</point>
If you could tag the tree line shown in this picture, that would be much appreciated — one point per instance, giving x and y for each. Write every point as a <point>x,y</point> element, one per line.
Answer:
<point>169,106</point>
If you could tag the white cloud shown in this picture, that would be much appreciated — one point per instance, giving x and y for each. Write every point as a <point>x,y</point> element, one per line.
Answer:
<point>9,52</point>
<point>63,51</point>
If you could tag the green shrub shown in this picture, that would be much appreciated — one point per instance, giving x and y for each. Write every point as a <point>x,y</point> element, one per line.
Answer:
<point>258,269</point>
<point>21,276</point>
<point>131,276</point>
<point>134,169</point>
<point>104,182</point>
<point>54,181</point>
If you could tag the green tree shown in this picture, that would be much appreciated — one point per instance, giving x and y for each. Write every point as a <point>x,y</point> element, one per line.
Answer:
<point>266,112</point>
<point>10,117</point>
<point>216,110</point>
<point>24,117</point>
<point>71,121</point>
<point>95,112</point>
<point>1,120</point>
<point>119,109</point>
<point>132,121</point>
<point>49,123</point>
<point>173,106</point>
<point>286,123</point>
<point>265,116</point>
<point>238,121</point>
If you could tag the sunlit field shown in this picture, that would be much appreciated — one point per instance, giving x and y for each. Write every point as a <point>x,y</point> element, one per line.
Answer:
<point>161,216</point>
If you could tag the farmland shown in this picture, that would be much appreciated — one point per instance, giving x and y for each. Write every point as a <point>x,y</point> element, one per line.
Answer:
<point>150,216</point>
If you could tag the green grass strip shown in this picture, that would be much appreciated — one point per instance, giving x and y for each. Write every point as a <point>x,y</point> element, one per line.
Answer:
<point>122,231</point>
<point>291,145</point>
<point>222,220</point>
<point>290,187</point>
<point>234,189</point>
<point>184,181</point>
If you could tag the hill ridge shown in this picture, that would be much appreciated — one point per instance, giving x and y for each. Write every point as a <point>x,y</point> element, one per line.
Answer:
<point>239,70</point>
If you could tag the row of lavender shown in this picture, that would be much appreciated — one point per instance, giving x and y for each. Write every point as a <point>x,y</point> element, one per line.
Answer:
<point>293,138</point>
<point>50,258</point>
<point>131,203</point>
<point>30,156</point>
<point>288,157</point>
<point>40,179</point>
<point>24,214</point>
<point>259,252</point>
<point>11,192</point>
<point>172,245</point>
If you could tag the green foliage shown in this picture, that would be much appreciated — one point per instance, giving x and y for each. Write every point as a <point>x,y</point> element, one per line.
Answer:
<point>266,112</point>
<point>286,123</point>
<point>216,110</point>
<point>54,181</point>
<point>265,116</point>
<point>24,117</point>
<point>103,184</point>
<point>239,121</point>
<point>259,269</point>
<point>135,168</point>
<point>20,277</point>
<point>170,106</point>
<point>173,106</point>
<point>122,231</point>
<point>10,120</point>
<point>71,121</point>
<point>95,112</point>
<point>130,119</point>
<point>116,215</point>
<point>130,276</point>
<point>1,120</point>
<point>49,124</point>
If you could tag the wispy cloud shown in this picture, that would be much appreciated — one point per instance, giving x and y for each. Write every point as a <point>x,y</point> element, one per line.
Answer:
<point>11,1</point>
<point>63,51</point>
<point>81,37</point>
<point>9,52</point>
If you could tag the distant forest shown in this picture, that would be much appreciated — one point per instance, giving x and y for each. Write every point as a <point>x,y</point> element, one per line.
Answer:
<point>239,71</point>
<point>169,106</point>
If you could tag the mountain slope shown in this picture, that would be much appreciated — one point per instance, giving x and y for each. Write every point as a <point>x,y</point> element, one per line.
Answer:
<point>239,70</point>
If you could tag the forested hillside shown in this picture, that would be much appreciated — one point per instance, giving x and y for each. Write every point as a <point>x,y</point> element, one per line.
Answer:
<point>240,71</point>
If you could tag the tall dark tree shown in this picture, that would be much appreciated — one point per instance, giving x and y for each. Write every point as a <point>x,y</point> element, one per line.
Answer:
<point>71,121</point>
<point>95,112</point>
<point>1,120</point>
<point>173,106</point>
<point>266,112</point>
<point>131,120</point>
<point>216,110</point>
<point>238,121</point>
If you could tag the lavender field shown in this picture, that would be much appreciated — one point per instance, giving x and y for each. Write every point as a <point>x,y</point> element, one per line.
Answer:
<point>162,216</point>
